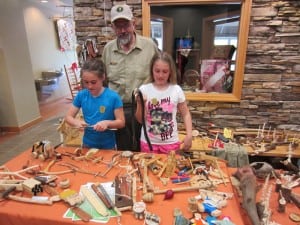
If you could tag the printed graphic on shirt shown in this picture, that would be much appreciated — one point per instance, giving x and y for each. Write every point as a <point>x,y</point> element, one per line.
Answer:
<point>160,118</point>
<point>102,109</point>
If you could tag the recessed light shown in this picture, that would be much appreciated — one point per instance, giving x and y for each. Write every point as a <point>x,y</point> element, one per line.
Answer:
<point>43,1</point>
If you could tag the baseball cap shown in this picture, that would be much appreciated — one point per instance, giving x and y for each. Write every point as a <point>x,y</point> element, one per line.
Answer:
<point>120,12</point>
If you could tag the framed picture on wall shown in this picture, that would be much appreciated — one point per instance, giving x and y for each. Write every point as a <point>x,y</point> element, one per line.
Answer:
<point>66,35</point>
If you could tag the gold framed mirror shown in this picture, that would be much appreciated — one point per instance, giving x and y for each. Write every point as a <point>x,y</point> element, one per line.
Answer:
<point>243,28</point>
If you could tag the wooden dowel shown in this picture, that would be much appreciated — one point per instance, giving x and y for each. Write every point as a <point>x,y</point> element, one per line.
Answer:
<point>177,189</point>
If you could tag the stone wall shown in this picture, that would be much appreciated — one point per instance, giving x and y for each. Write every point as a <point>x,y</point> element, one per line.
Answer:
<point>271,87</point>
<point>92,20</point>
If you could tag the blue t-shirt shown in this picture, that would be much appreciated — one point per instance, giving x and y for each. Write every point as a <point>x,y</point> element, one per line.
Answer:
<point>95,109</point>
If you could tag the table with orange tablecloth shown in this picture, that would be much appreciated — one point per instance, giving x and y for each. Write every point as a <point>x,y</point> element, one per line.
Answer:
<point>17,213</point>
<point>202,144</point>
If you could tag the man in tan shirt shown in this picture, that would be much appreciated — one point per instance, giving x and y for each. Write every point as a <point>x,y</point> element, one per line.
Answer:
<point>127,59</point>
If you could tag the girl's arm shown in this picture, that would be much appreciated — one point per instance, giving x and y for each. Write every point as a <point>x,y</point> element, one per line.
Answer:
<point>117,123</point>
<point>71,119</point>
<point>139,108</point>
<point>187,119</point>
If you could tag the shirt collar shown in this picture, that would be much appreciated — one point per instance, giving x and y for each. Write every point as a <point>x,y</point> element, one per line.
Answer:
<point>138,44</point>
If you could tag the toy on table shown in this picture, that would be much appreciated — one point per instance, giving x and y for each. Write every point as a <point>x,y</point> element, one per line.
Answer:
<point>72,198</point>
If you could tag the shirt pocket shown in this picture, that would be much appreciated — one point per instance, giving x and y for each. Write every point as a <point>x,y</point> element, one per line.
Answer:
<point>114,72</point>
<point>140,72</point>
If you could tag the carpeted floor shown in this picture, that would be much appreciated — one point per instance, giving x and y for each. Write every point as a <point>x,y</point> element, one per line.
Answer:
<point>46,130</point>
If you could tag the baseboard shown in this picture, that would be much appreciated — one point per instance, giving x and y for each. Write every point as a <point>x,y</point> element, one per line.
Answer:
<point>55,100</point>
<point>21,128</point>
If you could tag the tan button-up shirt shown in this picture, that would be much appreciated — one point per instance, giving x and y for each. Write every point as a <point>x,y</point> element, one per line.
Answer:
<point>127,71</point>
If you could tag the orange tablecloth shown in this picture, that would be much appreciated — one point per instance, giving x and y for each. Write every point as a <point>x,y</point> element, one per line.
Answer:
<point>17,213</point>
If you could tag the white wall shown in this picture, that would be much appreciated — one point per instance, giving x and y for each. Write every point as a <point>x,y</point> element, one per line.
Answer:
<point>18,97</point>
<point>28,46</point>
<point>44,46</point>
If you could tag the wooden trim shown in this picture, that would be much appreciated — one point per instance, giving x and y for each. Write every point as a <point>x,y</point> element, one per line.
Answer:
<point>23,127</point>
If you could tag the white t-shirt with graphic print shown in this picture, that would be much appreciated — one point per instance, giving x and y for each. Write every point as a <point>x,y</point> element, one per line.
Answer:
<point>160,113</point>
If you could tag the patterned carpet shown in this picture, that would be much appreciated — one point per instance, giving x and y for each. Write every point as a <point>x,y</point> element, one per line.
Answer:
<point>46,130</point>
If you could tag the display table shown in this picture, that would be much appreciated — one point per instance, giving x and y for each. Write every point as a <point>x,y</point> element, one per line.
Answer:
<point>17,213</point>
<point>24,213</point>
<point>202,144</point>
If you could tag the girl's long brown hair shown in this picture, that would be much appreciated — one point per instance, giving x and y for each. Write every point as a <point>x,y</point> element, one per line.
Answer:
<point>166,57</point>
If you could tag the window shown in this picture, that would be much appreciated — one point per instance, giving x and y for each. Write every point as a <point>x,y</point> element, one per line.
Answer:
<point>227,34</point>
<point>157,33</point>
<point>244,9</point>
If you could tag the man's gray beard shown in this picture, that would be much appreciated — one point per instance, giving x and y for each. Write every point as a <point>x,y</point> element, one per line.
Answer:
<point>124,40</point>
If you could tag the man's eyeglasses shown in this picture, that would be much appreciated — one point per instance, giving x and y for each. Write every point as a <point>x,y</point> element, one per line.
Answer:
<point>122,26</point>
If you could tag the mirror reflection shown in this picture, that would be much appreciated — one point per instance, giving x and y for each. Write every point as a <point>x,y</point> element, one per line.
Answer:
<point>206,43</point>
<point>203,43</point>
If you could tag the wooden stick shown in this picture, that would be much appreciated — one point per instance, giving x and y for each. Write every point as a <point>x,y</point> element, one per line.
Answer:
<point>17,173</point>
<point>29,200</point>
<point>220,172</point>
<point>86,217</point>
<point>51,163</point>
<point>191,188</point>
<point>145,179</point>
<point>106,195</point>
<point>162,170</point>
<point>134,189</point>
<point>102,196</point>
<point>152,160</point>
<point>76,169</point>
<point>57,172</point>
<point>108,169</point>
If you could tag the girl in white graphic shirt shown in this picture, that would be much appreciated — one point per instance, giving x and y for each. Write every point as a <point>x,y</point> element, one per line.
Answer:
<point>162,99</point>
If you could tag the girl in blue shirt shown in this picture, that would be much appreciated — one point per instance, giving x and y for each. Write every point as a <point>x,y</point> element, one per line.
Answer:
<point>102,108</point>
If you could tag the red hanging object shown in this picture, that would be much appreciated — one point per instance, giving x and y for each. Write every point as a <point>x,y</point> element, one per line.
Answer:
<point>74,66</point>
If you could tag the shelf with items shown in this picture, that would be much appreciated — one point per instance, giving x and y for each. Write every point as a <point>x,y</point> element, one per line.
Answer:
<point>187,59</point>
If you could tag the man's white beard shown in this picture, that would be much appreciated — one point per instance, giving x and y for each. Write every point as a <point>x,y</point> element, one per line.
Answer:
<point>124,39</point>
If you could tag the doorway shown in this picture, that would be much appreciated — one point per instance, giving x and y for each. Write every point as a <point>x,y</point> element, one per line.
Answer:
<point>162,31</point>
